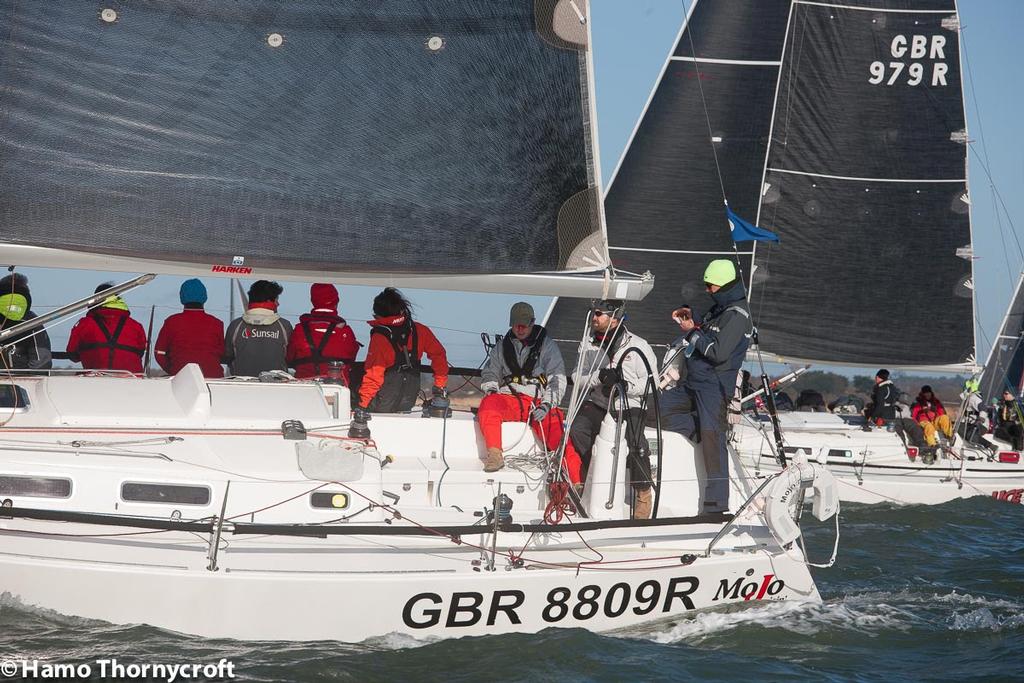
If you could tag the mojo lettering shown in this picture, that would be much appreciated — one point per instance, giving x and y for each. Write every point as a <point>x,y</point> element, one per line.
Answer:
<point>916,47</point>
<point>749,590</point>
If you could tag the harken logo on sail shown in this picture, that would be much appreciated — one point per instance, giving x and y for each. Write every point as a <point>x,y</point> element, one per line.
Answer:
<point>234,270</point>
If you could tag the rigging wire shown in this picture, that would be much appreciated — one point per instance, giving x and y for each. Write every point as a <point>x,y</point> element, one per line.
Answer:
<point>711,135</point>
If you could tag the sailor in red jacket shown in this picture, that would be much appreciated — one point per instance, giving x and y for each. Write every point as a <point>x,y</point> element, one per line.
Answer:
<point>108,338</point>
<point>391,378</point>
<point>321,336</point>
<point>928,412</point>
<point>192,336</point>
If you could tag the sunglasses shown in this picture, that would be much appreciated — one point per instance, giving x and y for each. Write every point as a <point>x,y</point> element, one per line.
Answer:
<point>600,313</point>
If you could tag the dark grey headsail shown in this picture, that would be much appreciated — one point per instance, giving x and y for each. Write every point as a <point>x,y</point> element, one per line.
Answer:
<point>866,186</point>
<point>863,180</point>
<point>664,204</point>
<point>1005,366</point>
<point>424,136</point>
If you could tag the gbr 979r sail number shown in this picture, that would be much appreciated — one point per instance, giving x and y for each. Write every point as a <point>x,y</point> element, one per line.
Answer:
<point>926,55</point>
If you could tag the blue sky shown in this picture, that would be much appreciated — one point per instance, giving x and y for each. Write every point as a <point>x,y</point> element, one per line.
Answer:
<point>631,40</point>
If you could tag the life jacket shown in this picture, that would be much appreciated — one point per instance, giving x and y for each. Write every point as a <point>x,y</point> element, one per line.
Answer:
<point>523,374</point>
<point>317,354</point>
<point>401,386</point>
<point>111,338</point>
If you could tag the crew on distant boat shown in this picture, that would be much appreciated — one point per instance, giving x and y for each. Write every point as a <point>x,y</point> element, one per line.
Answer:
<point>611,358</point>
<point>322,336</point>
<point>883,401</point>
<point>257,341</point>
<point>929,412</point>
<point>391,376</point>
<point>1009,420</point>
<point>523,381</point>
<point>192,336</point>
<point>810,401</point>
<point>908,429</point>
<point>30,350</point>
<point>975,423</point>
<point>108,338</point>
<point>716,349</point>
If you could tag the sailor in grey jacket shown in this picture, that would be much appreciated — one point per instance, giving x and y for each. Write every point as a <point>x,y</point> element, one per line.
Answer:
<point>608,351</point>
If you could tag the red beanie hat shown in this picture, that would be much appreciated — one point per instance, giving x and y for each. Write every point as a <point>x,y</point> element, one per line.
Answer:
<point>324,295</point>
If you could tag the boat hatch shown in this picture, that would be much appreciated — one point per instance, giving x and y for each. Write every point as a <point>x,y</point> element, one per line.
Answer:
<point>177,494</point>
<point>35,487</point>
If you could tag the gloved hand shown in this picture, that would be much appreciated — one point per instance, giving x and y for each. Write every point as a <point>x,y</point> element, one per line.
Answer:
<point>540,411</point>
<point>358,429</point>
<point>490,388</point>
<point>609,377</point>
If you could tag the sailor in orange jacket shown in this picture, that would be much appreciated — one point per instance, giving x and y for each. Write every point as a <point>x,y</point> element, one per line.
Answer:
<point>391,377</point>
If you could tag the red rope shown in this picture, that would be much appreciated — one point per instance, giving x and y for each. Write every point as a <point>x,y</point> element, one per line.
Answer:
<point>559,504</point>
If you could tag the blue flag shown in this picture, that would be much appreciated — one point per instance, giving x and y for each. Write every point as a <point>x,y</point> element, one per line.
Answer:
<point>742,231</point>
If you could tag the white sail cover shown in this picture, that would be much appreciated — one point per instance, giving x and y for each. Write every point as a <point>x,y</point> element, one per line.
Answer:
<point>301,136</point>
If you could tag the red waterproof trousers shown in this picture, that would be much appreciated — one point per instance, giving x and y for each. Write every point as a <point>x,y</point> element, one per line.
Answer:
<point>498,408</point>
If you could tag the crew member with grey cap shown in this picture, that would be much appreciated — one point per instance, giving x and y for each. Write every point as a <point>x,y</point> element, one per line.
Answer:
<point>615,356</point>
<point>524,380</point>
<point>715,350</point>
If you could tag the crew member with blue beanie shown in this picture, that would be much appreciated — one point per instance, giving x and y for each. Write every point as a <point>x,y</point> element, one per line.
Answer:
<point>192,336</point>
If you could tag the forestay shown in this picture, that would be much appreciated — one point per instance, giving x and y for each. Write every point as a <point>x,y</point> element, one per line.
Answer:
<point>300,138</point>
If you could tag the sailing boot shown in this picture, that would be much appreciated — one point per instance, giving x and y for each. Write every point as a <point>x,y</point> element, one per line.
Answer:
<point>644,503</point>
<point>494,460</point>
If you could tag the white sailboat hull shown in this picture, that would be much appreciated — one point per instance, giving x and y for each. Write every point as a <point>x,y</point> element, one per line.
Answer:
<point>874,467</point>
<point>359,597</point>
<point>405,542</point>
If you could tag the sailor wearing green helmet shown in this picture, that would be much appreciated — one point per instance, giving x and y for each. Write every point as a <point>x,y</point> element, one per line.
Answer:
<point>715,350</point>
<point>975,423</point>
<point>28,351</point>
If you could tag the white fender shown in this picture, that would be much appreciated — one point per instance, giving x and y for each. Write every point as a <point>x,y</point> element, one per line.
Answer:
<point>783,495</point>
<point>826,494</point>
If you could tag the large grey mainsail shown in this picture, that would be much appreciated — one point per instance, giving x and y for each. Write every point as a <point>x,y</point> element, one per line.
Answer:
<point>416,137</point>
<point>864,180</point>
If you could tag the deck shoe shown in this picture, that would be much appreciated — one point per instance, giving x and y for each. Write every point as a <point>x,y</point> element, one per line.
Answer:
<point>494,460</point>
<point>644,502</point>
